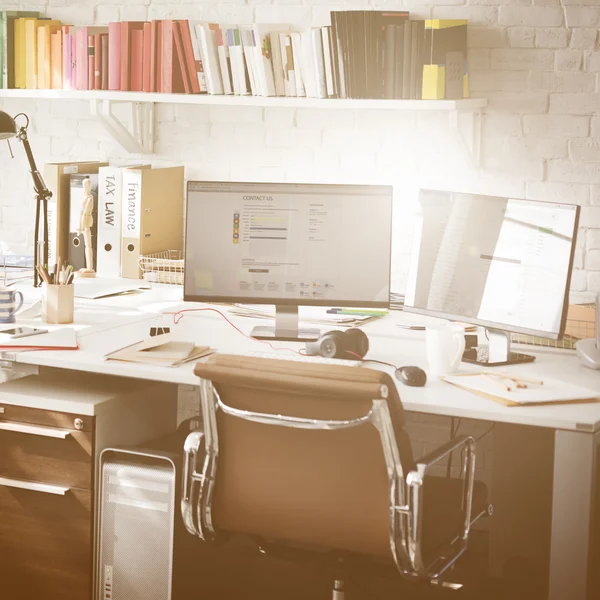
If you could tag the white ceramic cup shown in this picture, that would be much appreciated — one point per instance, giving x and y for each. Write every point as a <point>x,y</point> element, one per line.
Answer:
<point>10,302</point>
<point>445,344</point>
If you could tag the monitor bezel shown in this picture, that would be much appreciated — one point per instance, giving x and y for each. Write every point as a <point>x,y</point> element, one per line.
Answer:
<point>506,326</point>
<point>327,302</point>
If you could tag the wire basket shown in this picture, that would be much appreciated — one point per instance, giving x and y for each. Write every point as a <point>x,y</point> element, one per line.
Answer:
<point>163,267</point>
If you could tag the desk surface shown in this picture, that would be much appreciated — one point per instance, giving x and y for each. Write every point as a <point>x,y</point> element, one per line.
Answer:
<point>111,323</point>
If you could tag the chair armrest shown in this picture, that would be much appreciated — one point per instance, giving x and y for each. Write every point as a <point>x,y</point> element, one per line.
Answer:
<point>194,445</point>
<point>415,480</point>
<point>429,459</point>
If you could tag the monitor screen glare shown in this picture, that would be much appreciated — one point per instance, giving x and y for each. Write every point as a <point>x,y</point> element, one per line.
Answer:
<point>497,262</point>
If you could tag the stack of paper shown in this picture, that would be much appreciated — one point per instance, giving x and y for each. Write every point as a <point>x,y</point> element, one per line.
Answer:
<point>548,391</point>
<point>61,339</point>
<point>163,350</point>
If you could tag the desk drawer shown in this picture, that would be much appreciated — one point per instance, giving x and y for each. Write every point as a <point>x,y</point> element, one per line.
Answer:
<point>45,447</point>
<point>45,544</point>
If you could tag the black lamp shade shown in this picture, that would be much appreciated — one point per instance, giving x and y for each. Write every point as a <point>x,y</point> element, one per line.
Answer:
<point>8,127</point>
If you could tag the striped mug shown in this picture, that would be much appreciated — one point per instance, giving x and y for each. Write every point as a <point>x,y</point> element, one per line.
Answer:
<point>10,302</point>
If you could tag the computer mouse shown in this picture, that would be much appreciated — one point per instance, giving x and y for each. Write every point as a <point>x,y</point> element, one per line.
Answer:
<point>413,376</point>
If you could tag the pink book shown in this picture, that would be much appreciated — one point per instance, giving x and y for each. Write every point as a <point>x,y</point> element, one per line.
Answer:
<point>67,60</point>
<point>73,61</point>
<point>114,56</point>
<point>147,61</point>
<point>137,54</point>
<point>81,67</point>
<point>91,58</point>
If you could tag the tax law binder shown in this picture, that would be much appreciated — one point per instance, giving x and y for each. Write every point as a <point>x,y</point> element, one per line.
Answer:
<point>110,194</point>
<point>152,215</point>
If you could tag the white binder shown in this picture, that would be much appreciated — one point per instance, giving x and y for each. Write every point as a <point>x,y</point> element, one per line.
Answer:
<point>110,191</point>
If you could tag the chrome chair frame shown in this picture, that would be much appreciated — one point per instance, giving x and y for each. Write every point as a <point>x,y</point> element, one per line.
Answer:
<point>406,496</point>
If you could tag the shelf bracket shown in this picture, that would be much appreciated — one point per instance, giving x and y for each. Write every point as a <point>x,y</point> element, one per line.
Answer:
<point>137,137</point>
<point>466,125</point>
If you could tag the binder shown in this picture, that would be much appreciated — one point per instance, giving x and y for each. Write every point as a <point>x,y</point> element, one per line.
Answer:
<point>110,188</point>
<point>57,178</point>
<point>76,250</point>
<point>152,215</point>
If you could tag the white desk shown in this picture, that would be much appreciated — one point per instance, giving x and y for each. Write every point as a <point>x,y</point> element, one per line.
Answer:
<point>108,324</point>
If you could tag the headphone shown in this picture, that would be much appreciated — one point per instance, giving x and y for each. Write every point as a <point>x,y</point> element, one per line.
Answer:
<point>340,344</point>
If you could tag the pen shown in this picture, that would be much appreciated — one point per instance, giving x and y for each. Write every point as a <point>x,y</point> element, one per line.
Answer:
<point>366,313</point>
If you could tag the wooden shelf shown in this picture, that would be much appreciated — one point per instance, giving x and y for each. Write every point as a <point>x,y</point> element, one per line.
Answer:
<point>469,104</point>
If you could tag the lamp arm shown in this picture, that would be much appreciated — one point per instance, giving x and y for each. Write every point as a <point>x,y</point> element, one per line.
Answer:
<point>38,181</point>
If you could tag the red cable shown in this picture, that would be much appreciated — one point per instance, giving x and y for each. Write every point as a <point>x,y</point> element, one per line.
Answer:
<point>177,316</point>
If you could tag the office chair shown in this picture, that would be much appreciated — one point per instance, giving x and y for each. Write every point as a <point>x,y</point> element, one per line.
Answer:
<point>315,457</point>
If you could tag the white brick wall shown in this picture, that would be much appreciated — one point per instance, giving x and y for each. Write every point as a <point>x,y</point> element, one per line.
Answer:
<point>538,63</point>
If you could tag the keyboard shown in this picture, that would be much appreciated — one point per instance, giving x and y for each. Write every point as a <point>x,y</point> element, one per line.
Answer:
<point>320,360</point>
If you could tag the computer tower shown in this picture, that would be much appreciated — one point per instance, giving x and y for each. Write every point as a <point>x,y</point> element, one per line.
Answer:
<point>137,512</point>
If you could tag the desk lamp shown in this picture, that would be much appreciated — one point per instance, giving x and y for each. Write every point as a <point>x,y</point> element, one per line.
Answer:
<point>9,129</point>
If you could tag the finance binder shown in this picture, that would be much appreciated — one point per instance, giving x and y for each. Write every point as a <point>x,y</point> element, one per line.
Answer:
<point>152,215</point>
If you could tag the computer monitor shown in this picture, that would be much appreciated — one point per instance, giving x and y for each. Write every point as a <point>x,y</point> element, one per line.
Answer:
<point>501,263</point>
<point>290,245</point>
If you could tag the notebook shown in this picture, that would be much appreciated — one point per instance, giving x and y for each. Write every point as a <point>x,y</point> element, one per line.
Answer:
<point>549,392</point>
<point>60,339</point>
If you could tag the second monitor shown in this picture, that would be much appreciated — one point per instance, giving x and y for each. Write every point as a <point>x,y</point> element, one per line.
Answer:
<point>290,245</point>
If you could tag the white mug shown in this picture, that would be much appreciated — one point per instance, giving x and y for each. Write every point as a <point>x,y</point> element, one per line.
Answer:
<point>9,304</point>
<point>445,345</point>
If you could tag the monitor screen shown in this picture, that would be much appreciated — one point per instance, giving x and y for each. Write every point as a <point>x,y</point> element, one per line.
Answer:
<point>276,243</point>
<point>498,262</point>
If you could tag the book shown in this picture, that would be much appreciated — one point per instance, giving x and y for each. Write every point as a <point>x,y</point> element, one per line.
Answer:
<point>114,56</point>
<point>104,61</point>
<point>265,58</point>
<point>328,61</point>
<point>192,59</point>
<point>181,59</point>
<point>127,51</point>
<point>45,30</point>
<point>287,60</point>
<point>207,47</point>
<point>136,76</point>
<point>172,71</point>
<point>153,64</point>
<point>152,215</point>
<point>56,60</point>
<point>278,78</point>
<point>224,60</point>
<point>301,54</point>
<point>444,69</point>
<point>7,46</point>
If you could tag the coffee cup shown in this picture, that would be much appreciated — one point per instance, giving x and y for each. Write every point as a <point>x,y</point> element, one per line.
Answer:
<point>445,344</point>
<point>10,302</point>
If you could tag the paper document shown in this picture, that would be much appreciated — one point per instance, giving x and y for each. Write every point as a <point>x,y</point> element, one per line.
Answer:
<point>60,339</point>
<point>163,350</point>
<point>495,388</point>
<point>101,287</point>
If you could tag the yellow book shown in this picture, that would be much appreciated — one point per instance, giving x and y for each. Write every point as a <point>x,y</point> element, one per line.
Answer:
<point>20,52</point>
<point>30,54</point>
<point>45,29</point>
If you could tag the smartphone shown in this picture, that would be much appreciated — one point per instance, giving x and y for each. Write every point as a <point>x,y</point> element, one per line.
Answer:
<point>19,332</point>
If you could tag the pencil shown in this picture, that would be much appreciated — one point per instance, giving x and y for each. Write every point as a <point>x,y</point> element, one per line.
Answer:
<point>493,377</point>
<point>522,379</point>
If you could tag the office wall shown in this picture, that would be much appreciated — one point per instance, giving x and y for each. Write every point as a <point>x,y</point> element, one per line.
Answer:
<point>536,61</point>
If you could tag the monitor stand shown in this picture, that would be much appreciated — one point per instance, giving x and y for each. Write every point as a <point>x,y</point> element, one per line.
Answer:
<point>497,352</point>
<point>286,327</point>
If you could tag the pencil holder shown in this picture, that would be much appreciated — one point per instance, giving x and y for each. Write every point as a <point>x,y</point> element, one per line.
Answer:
<point>57,303</point>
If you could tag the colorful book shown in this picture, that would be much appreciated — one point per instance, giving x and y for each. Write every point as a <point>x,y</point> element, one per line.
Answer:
<point>67,57</point>
<point>137,60</point>
<point>172,81</point>
<point>7,46</point>
<point>56,62</point>
<point>180,58</point>
<point>146,58</point>
<point>208,50</point>
<point>126,51</point>
<point>98,60</point>
<point>224,60</point>
<point>193,61</point>
<point>104,61</point>
<point>114,56</point>
<point>444,70</point>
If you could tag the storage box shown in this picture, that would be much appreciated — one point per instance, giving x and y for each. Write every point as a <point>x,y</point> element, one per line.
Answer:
<point>581,321</point>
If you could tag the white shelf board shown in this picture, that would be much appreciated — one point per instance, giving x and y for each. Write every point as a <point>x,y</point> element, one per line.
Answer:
<point>208,100</point>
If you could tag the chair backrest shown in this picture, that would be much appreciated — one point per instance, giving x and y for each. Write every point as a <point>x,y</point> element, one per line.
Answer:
<point>282,474</point>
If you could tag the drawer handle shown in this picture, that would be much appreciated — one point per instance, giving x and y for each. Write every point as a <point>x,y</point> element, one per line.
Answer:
<point>50,432</point>
<point>34,486</point>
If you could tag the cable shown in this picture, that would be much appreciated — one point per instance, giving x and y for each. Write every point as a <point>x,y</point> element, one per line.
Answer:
<point>177,316</point>
<point>485,433</point>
